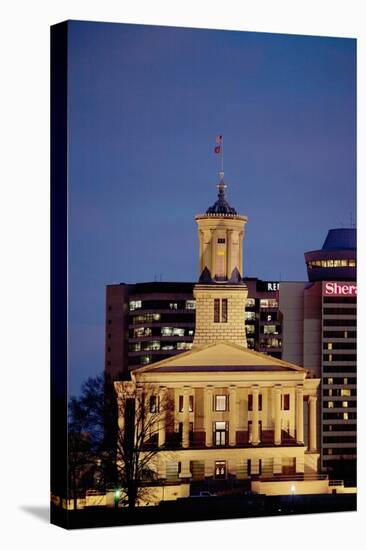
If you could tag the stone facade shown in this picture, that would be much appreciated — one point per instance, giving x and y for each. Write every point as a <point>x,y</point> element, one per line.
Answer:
<point>229,329</point>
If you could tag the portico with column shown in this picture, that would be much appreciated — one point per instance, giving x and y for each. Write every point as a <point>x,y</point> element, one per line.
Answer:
<point>220,376</point>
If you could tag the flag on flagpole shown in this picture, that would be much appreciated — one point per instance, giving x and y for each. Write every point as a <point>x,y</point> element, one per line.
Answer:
<point>218,145</point>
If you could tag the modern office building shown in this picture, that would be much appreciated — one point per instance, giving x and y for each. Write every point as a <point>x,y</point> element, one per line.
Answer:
<point>320,332</point>
<point>148,322</point>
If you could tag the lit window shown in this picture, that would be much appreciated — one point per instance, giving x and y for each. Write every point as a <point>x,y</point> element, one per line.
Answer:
<point>345,334</point>
<point>220,469</point>
<point>173,305</point>
<point>330,380</point>
<point>330,404</point>
<point>330,451</point>
<point>154,404</point>
<point>269,329</point>
<point>221,402</point>
<point>250,302</point>
<point>330,392</point>
<point>190,332</point>
<point>268,303</point>
<point>345,381</point>
<point>178,331</point>
<point>330,345</point>
<point>155,345</point>
<point>184,345</point>
<point>135,304</point>
<point>352,263</point>
<point>190,304</point>
<point>250,315</point>
<point>166,331</point>
<point>220,433</point>
<point>345,404</point>
<point>345,392</point>
<point>345,416</point>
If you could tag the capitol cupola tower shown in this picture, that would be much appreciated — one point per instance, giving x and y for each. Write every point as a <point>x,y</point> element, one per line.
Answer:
<point>220,293</point>
<point>221,233</point>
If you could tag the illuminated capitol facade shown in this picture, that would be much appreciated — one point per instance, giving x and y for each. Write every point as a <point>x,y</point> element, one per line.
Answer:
<point>235,413</point>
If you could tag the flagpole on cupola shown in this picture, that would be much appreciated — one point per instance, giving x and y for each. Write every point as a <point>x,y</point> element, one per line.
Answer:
<point>219,149</point>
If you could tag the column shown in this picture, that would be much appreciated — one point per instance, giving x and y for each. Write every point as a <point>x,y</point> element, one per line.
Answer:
<point>185,469</point>
<point>300,415</point>
<point>202,249</point>
<point>213,253</point>
<point>139,413</point>
<point>277,404</point>
<point>232,416</point>
<point>277,465</point>
<point>300,465</point>
<point>208,392</point>
<point>312,423</point>
<point>185,438</point>
<point>229,262</point>
<point>162,417</point>
<point>161,467</point>
<point>206,250</point>
<point>240,266</point>
<point>254,470</point>
<point>121,413</point>
<point>255,416</point>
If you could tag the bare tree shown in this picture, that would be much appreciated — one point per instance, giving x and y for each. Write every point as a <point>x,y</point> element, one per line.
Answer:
<point>89,452</point>
<point>144,413</point>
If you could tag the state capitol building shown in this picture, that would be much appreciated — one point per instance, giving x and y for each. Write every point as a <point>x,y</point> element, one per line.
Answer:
<point>237,411</point>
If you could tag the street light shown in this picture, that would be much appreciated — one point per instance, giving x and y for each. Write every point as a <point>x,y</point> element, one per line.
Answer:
<point>117,496</point>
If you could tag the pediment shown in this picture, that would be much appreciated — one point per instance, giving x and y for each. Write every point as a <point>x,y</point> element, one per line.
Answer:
<point>221,357</point>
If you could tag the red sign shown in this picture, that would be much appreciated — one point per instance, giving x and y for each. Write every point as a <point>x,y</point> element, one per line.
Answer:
<point>340,289</point>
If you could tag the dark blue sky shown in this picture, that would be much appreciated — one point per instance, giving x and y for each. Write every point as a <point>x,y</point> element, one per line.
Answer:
<point>145,105</point>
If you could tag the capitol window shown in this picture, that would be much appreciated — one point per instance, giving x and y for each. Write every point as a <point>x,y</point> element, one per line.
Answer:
<point>221,402</point>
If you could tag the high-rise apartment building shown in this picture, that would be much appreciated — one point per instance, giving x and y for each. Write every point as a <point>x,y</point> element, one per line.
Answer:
<point>320,332</point>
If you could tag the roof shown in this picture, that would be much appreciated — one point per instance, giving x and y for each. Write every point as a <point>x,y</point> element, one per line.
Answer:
<point>221,206</point>
<point>340,239</point>
<point>221,357</point>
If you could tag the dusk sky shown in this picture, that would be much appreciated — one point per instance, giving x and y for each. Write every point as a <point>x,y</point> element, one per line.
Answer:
<point>145,105</point>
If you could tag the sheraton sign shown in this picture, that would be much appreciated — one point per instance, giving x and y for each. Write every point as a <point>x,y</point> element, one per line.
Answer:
<point>339,289</point>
